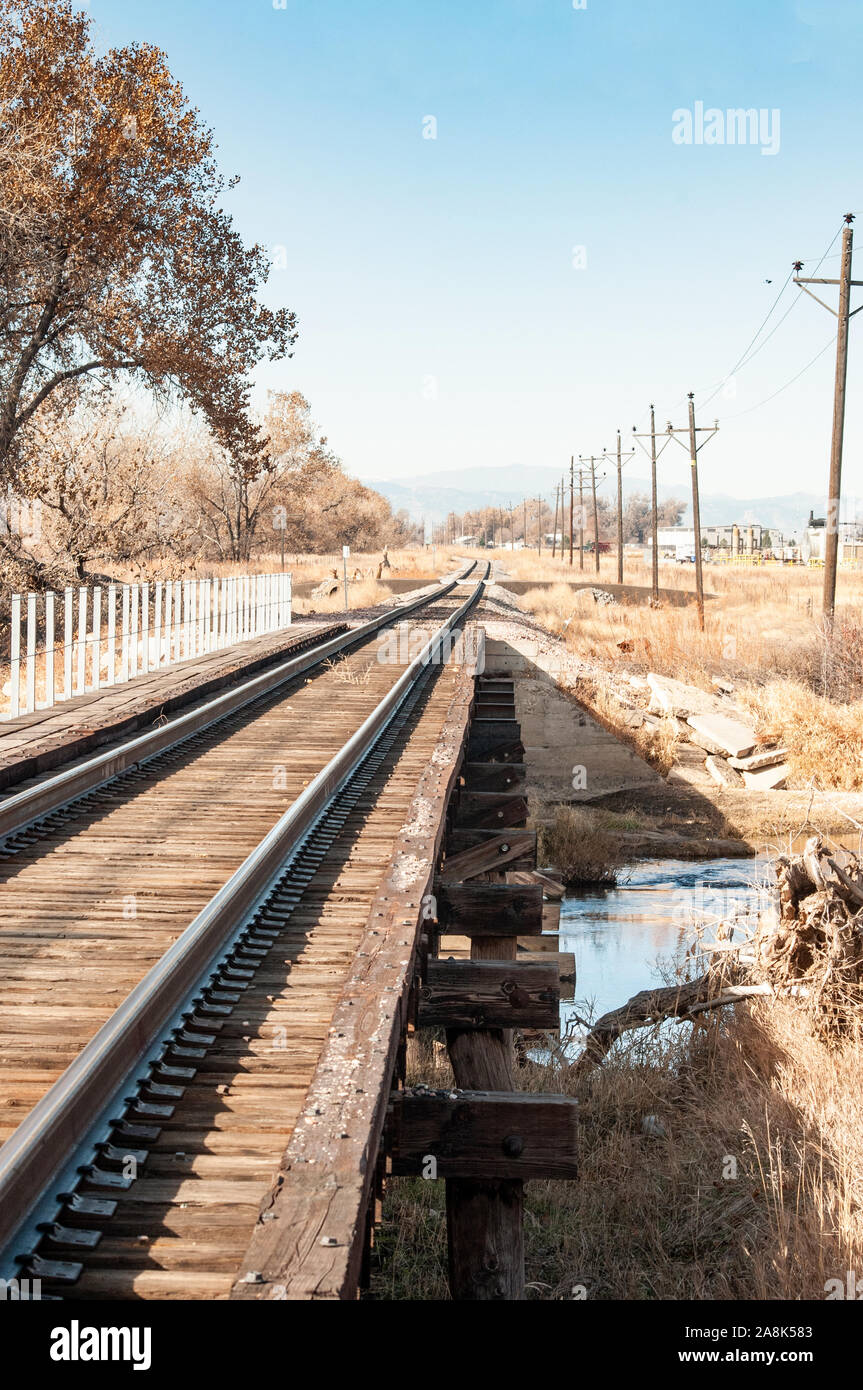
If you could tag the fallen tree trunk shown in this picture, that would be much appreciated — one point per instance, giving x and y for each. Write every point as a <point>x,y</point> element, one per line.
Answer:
<point>811,950</point>
<point>651,1006</point>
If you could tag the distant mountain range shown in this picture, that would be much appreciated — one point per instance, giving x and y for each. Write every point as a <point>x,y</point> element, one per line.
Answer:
<point>433,496</point>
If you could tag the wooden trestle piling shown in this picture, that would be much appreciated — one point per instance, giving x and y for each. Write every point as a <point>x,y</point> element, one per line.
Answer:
<point>487,1139</point>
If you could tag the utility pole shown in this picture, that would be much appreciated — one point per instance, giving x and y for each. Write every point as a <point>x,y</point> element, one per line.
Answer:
<point>619,514</point>
<point>696,510</point>
<point>844,315</point>
<point>554,533</point>
<point>595,513</point>
<point>654,510</point>
<point>539,526</point>
<point>571,500</point>
<point>654,504</point>
<point>580,519</point>
<point>694,447</point>
<point>620,507</point>
<point>525,523</point>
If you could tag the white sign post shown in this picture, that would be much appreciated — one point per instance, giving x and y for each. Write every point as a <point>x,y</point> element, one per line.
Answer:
<point>346,550</point>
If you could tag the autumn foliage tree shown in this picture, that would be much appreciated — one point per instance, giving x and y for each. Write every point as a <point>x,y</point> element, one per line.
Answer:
<point>115,255</point>
<point>111,491</point>
<point>298,488</point>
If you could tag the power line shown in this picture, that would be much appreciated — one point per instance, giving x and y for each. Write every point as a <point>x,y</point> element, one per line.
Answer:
<point>748,354</point>
<point>744,355</point>
<point>797,377</point>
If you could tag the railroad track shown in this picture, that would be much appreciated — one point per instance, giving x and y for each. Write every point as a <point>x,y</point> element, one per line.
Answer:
<point>150,1070</point>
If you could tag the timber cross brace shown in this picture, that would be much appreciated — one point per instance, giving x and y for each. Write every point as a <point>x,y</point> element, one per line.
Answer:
<point>463,869</point>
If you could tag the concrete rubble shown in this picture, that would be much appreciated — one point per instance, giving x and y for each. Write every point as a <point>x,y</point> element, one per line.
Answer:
<point>715,726</point>
<point>723,773</point>
<point>730,737</point>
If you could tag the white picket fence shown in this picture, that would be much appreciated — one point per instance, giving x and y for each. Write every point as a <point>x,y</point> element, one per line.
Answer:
<point>86,638</point>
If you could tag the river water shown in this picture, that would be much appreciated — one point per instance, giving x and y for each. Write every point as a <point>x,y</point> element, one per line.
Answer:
<point>619,935</point>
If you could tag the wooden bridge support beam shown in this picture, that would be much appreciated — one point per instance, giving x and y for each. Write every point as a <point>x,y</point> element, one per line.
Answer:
<point>485,1219</point>
<point>490,1139</point>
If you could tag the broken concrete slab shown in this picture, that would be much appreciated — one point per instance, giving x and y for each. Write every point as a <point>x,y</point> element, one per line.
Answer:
<point>723,774</point>
<point>675,697</point>
<point>766,779</point>
<point>688,766</point>
<point>707,745</point>
<point>734,739</point>
<point>766,757</point>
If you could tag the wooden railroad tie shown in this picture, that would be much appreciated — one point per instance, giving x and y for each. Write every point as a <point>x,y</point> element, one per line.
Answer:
<point>489,843</point>
<point>490,994</point>
<point>491,853</point>
<point>490,810</point>
<point>495,741</point>
<point>483,1134</point>
<point>494,777</point>
<point>489,909</point>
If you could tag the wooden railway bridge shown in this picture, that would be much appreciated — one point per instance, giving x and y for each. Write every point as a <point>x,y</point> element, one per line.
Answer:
<point>218,932</point>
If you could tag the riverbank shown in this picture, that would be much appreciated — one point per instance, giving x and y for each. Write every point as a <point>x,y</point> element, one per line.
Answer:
<point>588,743</point>
<point>723,1162</point>
<point>720,1158</point>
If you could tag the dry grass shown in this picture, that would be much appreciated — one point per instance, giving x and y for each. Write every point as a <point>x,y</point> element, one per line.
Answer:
<point>754,1191</point>
<point>824,739</point>
<point>363,593</point>
<point>404,565</point>
<point>762,632</point>
<point>577,842</point>
<point>344,674</point>
<point>655,745</point>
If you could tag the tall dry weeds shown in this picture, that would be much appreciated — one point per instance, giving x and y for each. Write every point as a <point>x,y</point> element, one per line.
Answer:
<point>750,1187</point>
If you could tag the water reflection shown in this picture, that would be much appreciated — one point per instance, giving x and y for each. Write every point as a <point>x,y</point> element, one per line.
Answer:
<point>619,935</point>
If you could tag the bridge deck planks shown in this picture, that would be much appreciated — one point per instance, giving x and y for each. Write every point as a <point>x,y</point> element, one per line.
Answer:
<point>159,850</point>
<point>308,1242</point>
<point>182,1227</point>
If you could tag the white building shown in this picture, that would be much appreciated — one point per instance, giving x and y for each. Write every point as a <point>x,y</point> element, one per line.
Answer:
<point>675,541</point>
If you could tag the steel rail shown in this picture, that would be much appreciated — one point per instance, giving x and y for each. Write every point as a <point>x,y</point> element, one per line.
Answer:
<point>23,808</point>
<point>37,1153</point>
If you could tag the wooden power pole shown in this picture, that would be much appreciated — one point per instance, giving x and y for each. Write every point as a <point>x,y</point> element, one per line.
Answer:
<point>696,510</point>
<point>595,514</point>
<point>694,447</point>
<point>581,520</point>
<point>654,503</point>
<point>554,532</point>
<point>844,314</point>
<point>571,501</point>
<point>619,505</point>
<point>654,513</point>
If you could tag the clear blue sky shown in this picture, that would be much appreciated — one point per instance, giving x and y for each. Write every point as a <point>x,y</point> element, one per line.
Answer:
<point>442,323</point>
